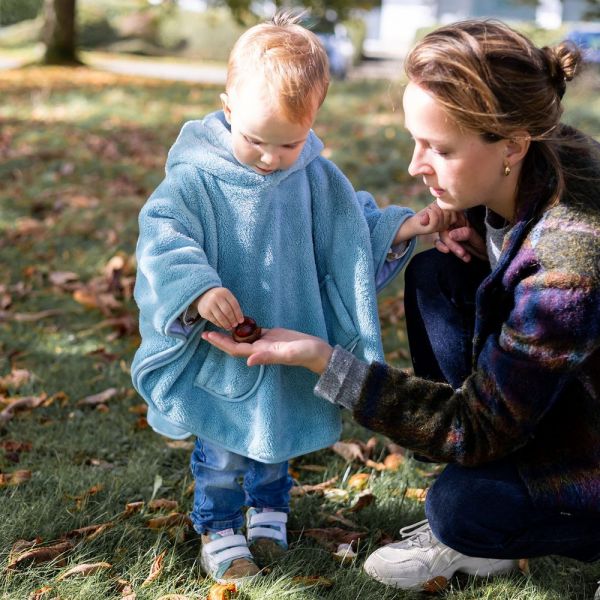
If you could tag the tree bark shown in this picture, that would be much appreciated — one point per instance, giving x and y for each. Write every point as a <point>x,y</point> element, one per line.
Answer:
<point>59,34</point>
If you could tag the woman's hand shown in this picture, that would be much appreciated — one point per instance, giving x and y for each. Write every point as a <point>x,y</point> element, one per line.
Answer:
<point>277,346</point>
<point>462,240</point>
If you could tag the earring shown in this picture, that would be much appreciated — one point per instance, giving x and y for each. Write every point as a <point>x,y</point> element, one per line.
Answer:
<point>506,169</point>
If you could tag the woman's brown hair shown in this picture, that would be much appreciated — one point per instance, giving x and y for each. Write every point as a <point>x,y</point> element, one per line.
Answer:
<point>494,81</point>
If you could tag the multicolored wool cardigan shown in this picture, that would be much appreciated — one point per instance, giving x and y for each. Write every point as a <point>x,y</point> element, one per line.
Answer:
<point>534,392</point>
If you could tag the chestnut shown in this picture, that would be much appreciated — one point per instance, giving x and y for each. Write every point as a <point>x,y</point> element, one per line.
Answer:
<point>247,331</point>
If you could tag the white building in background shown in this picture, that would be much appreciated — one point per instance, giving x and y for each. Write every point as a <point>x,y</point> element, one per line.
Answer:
<point>392,26</point>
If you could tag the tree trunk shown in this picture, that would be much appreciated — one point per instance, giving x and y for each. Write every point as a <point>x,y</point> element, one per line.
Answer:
<point>59,33</point>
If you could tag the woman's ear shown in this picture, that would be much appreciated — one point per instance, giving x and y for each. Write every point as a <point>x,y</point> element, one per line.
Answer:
<point>226,108</point>
<point>516,148</point>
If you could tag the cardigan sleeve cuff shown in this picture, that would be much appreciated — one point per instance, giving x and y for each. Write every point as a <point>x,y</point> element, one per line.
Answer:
<point>343,379</point>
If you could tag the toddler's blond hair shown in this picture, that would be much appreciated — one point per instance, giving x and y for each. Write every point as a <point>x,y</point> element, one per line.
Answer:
<point>292,60</point>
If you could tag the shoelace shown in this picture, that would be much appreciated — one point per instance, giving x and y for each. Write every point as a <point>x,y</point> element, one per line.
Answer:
<point>417,534</point>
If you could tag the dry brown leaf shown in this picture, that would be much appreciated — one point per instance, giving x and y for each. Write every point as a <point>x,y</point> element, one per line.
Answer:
<point>162,504</point>
<point>175,597</point>
<point>133,507</point>
<point>84,570</point>
<point>300,490</point>
<point>313,580</point>
<point>393,461</point>
<point>435,585</point>
<point>222,591</point>
<point>142,409</point>
<point>14,478</point>
<point>156,568</point>
<point>15,446</point>
<point>40,554</point>
<point>19,404</point>
<point>170,520</point>
<point>378,466</point>
<point>40,594</point>
<point>524,566</point>
<point>62,279</point>
<point>331,537</point>
<point>363,500</point>
<point>418,494</point>
<point>15,379</point>
<point>99,398</point>
<point>89,533</point>
<point>141,423</point>
<point>6,315</point>
<point>358,481</point>
<point>21,546</point>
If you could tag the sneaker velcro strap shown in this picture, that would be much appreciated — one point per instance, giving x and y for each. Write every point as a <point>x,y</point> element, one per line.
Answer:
<point>267,518</point>
<point>267,525</point>
<point>229,542</point>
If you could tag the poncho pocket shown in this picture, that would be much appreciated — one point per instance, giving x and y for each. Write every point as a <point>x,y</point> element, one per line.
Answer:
<point>340,327</point>
<point>227,377</point>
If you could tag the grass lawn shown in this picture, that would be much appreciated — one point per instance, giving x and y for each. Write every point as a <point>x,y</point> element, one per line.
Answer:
<point>81,475</point>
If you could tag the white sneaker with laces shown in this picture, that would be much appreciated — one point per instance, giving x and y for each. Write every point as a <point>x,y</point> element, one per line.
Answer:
<point>419,558</point>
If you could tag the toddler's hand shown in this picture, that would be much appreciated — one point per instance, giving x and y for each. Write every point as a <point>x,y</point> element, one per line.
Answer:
<point>433,218</point>
<point>219,306</point>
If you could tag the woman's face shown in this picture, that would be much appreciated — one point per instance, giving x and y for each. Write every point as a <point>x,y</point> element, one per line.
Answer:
<point>460,169</point>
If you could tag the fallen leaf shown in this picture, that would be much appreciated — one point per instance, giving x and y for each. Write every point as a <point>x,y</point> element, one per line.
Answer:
<point>99,398</point>
<point>300,490</point>
<point>15,379</point>
<point>331,537</point>
<point>175,597</point>
<point>84,570</point>
<point>358,481</point>
<point>162,504</point>
<point>142,409</point>
<point>524,566</point>
<point>40,594</point>
<point>222,591</point>
<point>313,580</point>
<point>378,466</point>
<point>180,444</point>
<point>89,533</point>
<point>19,404</point>
<point>418,494</point>
<point>393,461</point>
<point>133,507</point>
<point>175,518</point>
<point>6,315</point>
<point>156,569</point>
<point>435,585</point>
<point>40,554</point>
<point>363,500</point>
<point>336,494</point>
<point>61,279</point>
<point>344,554</point>
<point>14,478</point>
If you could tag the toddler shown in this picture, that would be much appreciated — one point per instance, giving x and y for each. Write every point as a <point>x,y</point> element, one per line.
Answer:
<point>251,220</point>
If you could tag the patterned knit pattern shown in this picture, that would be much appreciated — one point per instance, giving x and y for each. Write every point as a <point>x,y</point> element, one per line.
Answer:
<point>534,392</point>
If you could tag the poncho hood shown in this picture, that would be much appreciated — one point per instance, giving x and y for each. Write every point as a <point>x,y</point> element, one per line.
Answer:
<point>206,144</point>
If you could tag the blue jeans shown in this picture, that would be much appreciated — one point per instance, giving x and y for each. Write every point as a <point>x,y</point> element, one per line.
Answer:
<point>483,511</point>
<point>225,482</point>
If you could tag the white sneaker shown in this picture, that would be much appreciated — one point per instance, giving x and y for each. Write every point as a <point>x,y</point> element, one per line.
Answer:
<point>419,558</point>
<point>597,594</point>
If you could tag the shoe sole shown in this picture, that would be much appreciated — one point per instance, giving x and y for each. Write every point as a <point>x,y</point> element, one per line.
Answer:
<point>240,581</point>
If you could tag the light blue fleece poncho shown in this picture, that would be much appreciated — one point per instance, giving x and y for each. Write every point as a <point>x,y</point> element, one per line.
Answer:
<point>298,248</point>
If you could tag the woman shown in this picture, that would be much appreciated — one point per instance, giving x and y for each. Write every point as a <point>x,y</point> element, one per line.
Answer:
<point>506,352</point>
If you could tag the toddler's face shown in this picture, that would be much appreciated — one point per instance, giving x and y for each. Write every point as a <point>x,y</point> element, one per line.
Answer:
<point>262,136</point>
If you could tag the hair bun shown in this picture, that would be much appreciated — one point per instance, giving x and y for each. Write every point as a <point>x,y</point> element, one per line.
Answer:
<point>563,61</point>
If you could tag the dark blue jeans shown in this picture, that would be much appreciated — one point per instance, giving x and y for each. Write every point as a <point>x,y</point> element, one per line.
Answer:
<point>481,511</point>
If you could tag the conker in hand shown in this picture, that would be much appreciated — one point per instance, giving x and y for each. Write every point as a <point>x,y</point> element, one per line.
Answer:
<point>247,332</point>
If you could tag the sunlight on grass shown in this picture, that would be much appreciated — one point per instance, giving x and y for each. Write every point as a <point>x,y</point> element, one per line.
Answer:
<point>81,151</point>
